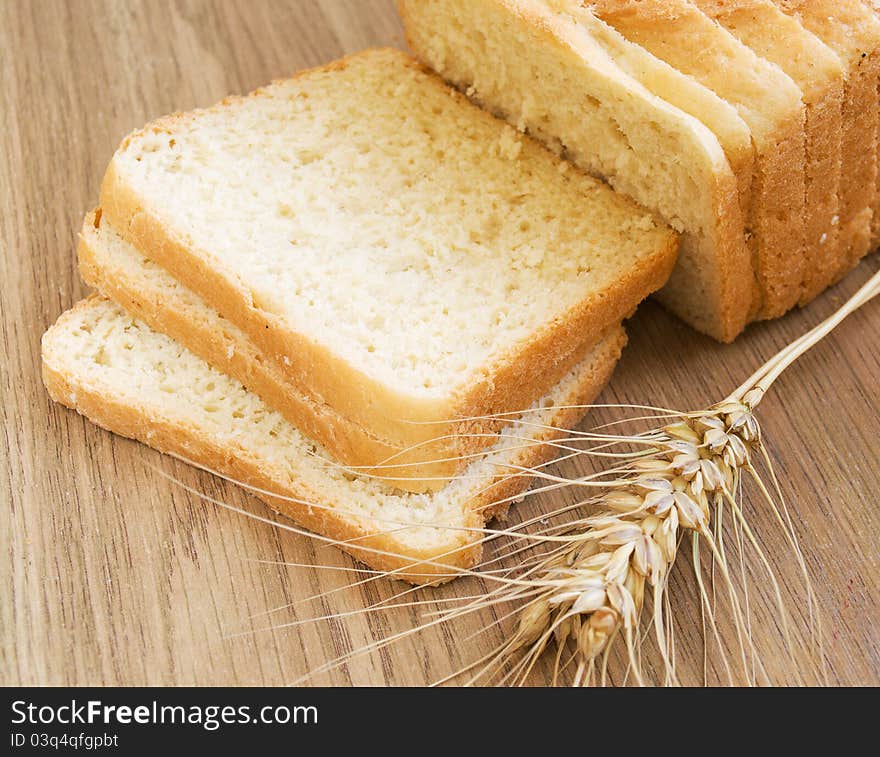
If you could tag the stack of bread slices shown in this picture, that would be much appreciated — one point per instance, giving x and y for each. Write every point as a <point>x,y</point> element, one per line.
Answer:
<point>359,294</point>
<point>751,126</point>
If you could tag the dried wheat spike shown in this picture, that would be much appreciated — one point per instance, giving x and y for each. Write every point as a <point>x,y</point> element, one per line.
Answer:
<point>595,588</point>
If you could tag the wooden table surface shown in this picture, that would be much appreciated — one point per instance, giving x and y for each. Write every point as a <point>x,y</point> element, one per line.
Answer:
<point>114,575</point>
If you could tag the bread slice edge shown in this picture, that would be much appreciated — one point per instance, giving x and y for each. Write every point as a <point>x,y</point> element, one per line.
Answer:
<point>388,551</point>
<point>147,291</point>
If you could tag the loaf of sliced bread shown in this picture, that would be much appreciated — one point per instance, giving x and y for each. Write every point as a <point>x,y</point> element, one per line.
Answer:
<point>146,290</point>
<point>548,75</point>
<point>768,101</point>
<point>403,256</point>
<point>139,383</point>
<point>817,71</point>
<point>850,29</point>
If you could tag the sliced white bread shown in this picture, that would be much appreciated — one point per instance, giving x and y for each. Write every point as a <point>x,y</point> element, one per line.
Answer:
<point>850,29</point>
<point>817,71</point>
<point>402,255</point>
<point>139,383</point>
<point>691,97</point>
<point>678,89</point>
<point>546,74</point>
<point>677,32</point>
<point>120,272</point>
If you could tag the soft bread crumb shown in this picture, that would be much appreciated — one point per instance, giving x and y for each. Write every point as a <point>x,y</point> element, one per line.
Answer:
<point>374,221</point>
<point>510,144</point>
<point>591,111</point>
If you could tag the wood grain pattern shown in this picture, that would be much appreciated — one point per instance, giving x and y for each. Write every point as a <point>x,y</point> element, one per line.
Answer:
<point>114,575</point>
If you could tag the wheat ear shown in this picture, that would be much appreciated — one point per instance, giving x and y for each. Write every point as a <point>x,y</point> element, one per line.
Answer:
<point>592,589</point>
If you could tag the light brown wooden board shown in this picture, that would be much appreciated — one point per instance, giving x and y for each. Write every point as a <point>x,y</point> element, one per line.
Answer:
<point>113,575</point>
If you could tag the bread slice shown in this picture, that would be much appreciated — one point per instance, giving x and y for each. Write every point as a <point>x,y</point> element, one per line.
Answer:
<point>609,124</point>
<point>687,94</point>
<point>146,290</point>
<point>141,384</point>
<point>370,230</point>
<point>850,29</point>
<point>817,71</point>
<point>768,101</point>
<point>678,89</point>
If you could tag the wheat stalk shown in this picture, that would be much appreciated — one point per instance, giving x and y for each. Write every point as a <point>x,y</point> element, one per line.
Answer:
<point>592,589</point>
